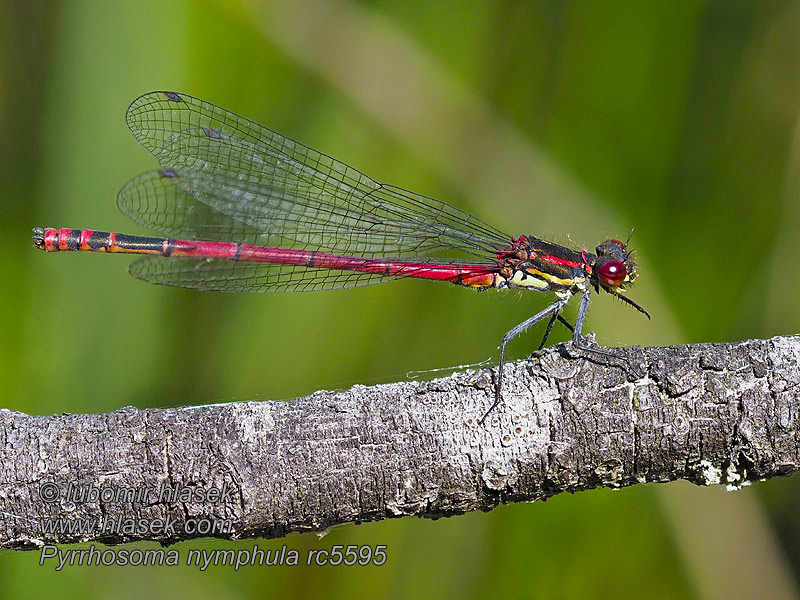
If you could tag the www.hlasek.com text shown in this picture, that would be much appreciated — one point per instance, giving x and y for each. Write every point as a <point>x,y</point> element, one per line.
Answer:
<point>168,526</point>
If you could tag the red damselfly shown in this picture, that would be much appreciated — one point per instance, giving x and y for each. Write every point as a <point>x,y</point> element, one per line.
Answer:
<point>249,210</point>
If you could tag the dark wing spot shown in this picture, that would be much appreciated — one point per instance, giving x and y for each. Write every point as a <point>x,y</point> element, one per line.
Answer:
<point>212,133</point>
<point>173,96</point>
<point>168,173</point>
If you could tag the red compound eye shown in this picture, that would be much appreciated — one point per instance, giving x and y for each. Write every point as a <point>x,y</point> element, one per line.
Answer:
<point>612,274</point>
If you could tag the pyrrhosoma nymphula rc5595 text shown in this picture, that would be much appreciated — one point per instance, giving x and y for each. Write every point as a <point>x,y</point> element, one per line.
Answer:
<point>249,210</point>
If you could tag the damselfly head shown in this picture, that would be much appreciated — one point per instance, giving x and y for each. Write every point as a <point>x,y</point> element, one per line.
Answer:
<point>614,266</point>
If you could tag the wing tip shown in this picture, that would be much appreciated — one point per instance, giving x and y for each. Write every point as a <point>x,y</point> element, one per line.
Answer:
<point>141,104</point>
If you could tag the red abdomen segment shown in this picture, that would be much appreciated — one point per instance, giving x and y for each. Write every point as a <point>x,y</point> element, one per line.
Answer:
<point>87,240</point>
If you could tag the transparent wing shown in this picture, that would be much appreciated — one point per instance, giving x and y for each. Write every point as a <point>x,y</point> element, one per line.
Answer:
<point>153,200</point>
<point>226,178</point>
<point>216,207</point>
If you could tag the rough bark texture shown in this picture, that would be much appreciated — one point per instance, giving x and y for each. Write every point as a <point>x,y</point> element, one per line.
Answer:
<point>707,413</point>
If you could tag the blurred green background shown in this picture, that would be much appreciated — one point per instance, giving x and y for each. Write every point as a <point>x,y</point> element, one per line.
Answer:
<point>573,121</point>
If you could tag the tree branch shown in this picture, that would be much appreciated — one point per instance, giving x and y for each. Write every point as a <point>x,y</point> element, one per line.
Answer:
<point>707,413</point>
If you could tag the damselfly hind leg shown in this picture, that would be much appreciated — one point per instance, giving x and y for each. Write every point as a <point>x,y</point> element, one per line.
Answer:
<point>553,309</point>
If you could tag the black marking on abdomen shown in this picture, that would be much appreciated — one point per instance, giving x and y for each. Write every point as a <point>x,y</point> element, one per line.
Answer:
<point>99,241</point>
<point>71,241</point>
<point>313,259</point>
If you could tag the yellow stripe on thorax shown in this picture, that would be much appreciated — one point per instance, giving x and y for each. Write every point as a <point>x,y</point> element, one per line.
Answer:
<point>534,278</point>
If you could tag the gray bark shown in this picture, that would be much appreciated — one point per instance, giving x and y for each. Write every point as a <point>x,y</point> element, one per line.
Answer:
<point>569,421</point>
